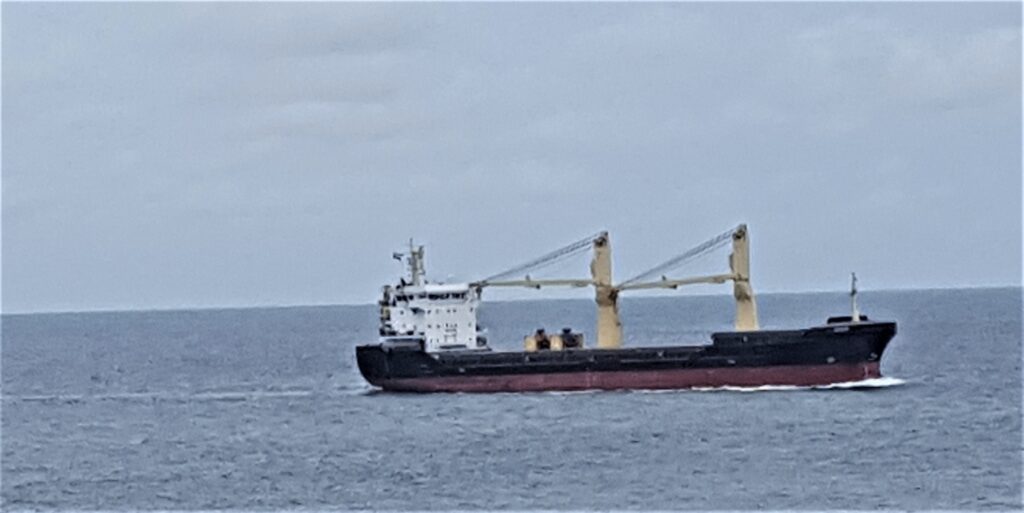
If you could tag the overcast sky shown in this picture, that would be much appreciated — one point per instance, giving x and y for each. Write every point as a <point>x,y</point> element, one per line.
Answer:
<point>197,154</point>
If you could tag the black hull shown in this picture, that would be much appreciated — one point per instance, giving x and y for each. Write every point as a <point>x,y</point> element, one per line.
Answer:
<point>814,356</point>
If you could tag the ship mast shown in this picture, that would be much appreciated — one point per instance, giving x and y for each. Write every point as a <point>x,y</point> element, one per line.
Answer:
<point>855,314</point>
<point>609,328</point>
<point>739,264</point>
<point>416,270</point>
<point>414,259</point>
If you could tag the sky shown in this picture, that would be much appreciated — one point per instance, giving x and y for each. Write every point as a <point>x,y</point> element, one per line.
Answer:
<point>173,155</point>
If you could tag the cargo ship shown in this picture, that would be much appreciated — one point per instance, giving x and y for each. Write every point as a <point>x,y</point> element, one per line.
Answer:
<point>430,340</point>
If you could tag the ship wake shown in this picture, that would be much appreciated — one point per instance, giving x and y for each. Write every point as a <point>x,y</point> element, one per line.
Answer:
<point>864,384</point>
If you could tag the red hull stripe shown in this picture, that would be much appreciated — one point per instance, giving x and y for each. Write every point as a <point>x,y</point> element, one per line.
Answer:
<point>799,375</point>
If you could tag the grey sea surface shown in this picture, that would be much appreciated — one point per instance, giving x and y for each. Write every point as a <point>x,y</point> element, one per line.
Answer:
<point>264,409</point>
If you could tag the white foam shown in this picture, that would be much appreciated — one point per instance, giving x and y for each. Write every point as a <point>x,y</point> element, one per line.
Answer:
<point>883,382</point>
<point>847,385</point>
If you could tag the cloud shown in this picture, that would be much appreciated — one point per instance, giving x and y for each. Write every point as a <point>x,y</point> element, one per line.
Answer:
<point>882,62</point>
<point>156,137</point>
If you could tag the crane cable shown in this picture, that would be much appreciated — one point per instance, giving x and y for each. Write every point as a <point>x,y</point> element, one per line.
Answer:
<point>545,260</point>
<point>704,248</point>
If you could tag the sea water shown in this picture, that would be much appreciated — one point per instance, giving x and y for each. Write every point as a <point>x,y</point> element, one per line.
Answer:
<point>264,409</point>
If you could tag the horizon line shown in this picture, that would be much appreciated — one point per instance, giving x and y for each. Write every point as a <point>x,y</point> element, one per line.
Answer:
<point>323,305</point>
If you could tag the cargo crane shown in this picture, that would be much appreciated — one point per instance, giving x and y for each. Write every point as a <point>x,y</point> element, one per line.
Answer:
<point>609,326</point>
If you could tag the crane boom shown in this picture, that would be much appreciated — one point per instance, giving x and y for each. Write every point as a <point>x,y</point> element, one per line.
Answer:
<point>535,284</point>
<point>606,293</point>
<point>665,283</point>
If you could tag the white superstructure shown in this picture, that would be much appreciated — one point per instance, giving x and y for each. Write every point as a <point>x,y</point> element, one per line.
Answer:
<point>440,316</point>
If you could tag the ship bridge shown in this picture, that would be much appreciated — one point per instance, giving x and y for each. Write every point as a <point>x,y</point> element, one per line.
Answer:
<point>441,316</point>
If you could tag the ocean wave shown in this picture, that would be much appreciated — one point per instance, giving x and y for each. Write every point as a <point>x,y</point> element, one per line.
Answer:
<point>176,396</point>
